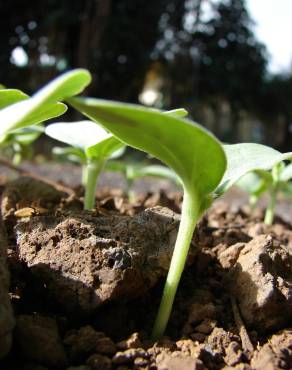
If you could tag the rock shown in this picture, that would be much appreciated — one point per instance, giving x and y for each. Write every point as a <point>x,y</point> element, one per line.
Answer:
<point>6,315</point>
<point>177,361</point>
<point>99,362</point>
<point>276,354</point>
<point>261,280</point>
<point>39,340</point>
<point>87,260</point>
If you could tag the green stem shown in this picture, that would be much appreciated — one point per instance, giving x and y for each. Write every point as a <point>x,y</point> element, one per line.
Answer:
<point>253,199</point>
<point>84,175</point>
<point>93,170</point>
<point>189,217</point>
<point>17,158</point>
<point>270,211</point>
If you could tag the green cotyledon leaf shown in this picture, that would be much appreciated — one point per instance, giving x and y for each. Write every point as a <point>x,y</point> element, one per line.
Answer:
<point>11,96</point>
<point>45,103</point>
<point>191,151</point>
<point>92,139</point>
<point>247,157</point>
<point>252,183</point>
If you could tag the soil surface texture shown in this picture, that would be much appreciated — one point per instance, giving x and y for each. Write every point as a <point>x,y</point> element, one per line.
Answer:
<point>79,290</point>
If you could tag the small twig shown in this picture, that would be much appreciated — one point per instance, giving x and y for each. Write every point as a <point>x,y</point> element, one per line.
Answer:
<point>22,171</point>
<point>245,340</point>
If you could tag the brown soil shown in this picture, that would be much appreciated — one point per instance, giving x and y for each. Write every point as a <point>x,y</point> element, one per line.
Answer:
<point>85,286</point>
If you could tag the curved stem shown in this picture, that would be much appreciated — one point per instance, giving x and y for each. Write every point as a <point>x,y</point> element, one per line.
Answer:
<point>93,170</point>
<point>189,217</point>
<point>270,211</point>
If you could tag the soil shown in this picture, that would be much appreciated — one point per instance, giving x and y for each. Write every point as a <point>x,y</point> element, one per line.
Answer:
<point>85,286</point>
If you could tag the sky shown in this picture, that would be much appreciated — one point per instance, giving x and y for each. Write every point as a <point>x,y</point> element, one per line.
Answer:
<point>274,28</point>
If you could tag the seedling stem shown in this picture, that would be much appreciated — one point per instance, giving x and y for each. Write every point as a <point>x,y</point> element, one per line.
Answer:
<point>93,170</point>
<point>269,215</point>
<point>270,211</point>
<point>189,218</point>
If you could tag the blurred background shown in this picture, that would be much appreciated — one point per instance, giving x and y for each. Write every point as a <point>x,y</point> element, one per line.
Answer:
<point>228,62</point>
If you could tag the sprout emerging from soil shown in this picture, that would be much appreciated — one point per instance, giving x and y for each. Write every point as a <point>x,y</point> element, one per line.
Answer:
<point>134,170</point>
<point>92,143</point>
<point>273,182</point>
<point>196,157</point>
<point>18,143</point>
<point>17,110</point>
<point>179,143</point>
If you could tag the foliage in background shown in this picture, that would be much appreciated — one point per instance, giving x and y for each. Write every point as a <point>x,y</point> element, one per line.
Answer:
<point>205,49</point>
<point>271,182</point>
<point>93,145</point>
<point>43,105</point>
<point>19,143</point>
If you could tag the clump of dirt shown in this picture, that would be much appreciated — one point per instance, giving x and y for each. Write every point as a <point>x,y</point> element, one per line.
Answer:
<point>261,280</point>
<point>109,264</point>
<point>87,260</point>
<point>276,354</point>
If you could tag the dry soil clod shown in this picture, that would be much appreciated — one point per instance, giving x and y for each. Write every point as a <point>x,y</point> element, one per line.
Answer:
<point>85,260</point>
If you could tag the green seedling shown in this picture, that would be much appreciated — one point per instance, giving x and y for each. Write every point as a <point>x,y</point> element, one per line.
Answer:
<point>133,171</point>
<point>19,111</point>
<point>93,145</point>
<point>18,143</point>
<point>254,185</point>
<point>273,182</point>
<point>196,157</point>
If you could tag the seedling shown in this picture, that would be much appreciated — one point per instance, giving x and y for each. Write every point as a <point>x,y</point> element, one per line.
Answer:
<point>254,185</point>
<point>273,182</point>
<point>193,153</point>
<point>18,143</point>
<point>92,144</point>
<point>19,111</point>
<point>134,170</point>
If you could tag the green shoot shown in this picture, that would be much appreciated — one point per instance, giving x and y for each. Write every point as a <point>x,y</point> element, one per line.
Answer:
<point>133,171</point>
<point>93,145</point>
<point>248,157</point>
<point>273,182</point>
<point>196,157</point>
<point>254,185</point>
<point>19,111</point>
<point>19,142</point>
<point>194,154</point>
